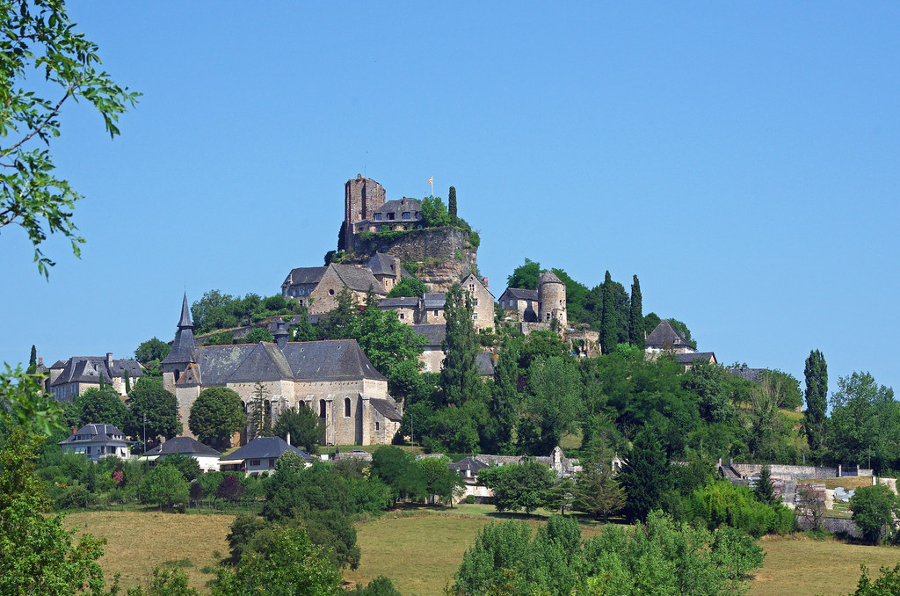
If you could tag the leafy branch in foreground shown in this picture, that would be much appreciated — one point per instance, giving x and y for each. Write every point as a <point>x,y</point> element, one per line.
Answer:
<point>37,38</point>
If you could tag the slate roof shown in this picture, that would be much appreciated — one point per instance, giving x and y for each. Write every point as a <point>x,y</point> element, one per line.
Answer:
<point>434,300</point>
<point>548,277</point>
<point>401,302</point>
<point>485,364</point>
<point>386,408</point>
<point>398,207</point>
<point>468,463</point>
<point>184,446</point>
<point>747,373</point>
<point>519,294</point>
<point>383,264</point>
<point>304,275</point>
<point>336,359</point>
<point>182,349</point>
<point>97,433</point>
<point>357,278</point>
<point>87,369</point>
<point>264,448</point>
<point>691,356</point>
<point>435,334</point>
<point>665,336</point>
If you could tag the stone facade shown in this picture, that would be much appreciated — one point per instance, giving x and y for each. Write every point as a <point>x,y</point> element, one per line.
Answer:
<point>317,288</point>
<point>540,309</point>
<point>334,378</point>
<point>362,196</point>
<point>76,375</point>
<point>482,299</point>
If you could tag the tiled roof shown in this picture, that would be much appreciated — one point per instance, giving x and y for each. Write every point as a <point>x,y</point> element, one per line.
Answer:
<point>548,277</point>
<point>665,336</point>
<point>87,369</point>
<point>304,275</point>
<point>400,206</point>
<point>382,264</point>
<point>402,301</point>
<point>485,364</point>
<point>97,433</point>
<point>747,373</point>
<point>435,334</point>
<point>691,356</point>
<point>358,279</point>
<point>519,294</point>
<point>184,446</point>
<point>468,463</point>
<point>329,360</point>
<point>264,448</point>
<point>434,300</point>
<point>264,363</point>
<point>387,408</point>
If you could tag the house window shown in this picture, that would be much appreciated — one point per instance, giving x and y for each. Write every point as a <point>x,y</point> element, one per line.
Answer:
<point>377,425</point>
<point>406,215</point>
<point>418,215</point>
<point>435,312</point>
<point>271,462</point>
<point>471,287</point>
<point>474,301</point>
<point>88,451</point>
<point>475,316</point>
<point>401,316</point>
<point>346,407</point>
<point>321,408</point>
<point>390,216</point>
<point>254,462</point>
<point>377,217</point>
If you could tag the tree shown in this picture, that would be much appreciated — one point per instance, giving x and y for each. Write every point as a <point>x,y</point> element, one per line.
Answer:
<point>434,213</point>
<point>865,422</point>
<point>303,425</point>
<point>765,488</point>
<point>291,565</point>
<point>259,413</point>
<point>304,331</point>
<point>636,319</point>
<point>873,511</point>
<point>519,486</point>
<point>440,480</point>
<point>525,276</point>
<point>32,361</point>
<point>608,332</point>
<point>408,286</point>
<point>257,335</point>
<point>37,37</point>
<point>816,375</point>
<point>645,476</point>
<point>597,492</point>
<point>451,205</point>
<point>886,585</point>
<point>553,402</point>
<point>459,377</point>
<point>341,321</point>
<point>213,311</point>
<point>217,414</point>
<point>164,486</point>
<point>101,406</point>
<point>187,465</point>
<point>811,506</point>
<point>149,401</point>
<point>504,404</point>
<point>230,488</point>
<point>398,469</point>
<point>152,349</point>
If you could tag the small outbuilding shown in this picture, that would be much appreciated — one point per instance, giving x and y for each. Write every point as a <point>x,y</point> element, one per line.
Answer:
<point>259,455</point>
<point>206,456</point>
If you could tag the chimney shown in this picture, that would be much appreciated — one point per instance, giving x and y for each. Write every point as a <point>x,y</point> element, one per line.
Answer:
<point>109,361</point>
<point>281,334</point>
<point>484,282</point>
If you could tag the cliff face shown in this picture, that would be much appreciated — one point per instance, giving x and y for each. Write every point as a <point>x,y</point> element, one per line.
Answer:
<point>441,256</point>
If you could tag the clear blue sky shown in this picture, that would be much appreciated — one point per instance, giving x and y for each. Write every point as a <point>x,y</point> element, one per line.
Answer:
<point>740,158</point>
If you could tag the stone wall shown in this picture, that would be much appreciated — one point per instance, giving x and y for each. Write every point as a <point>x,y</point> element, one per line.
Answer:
<point>800,472</point>
<point>440,253</point>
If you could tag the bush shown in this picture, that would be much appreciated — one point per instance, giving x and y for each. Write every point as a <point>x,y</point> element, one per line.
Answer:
<point>873,508</point>
<point>470,499</point>
<point>721,503</point>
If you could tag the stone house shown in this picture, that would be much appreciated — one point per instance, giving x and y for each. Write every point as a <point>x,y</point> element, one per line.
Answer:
<point>665,338</point>
<point>332,378</point>
<point>74,376</point>
<point>366,210</point>
<point>432,352</point>
<point>97,441</point>
<point>482,301</point>
<point>259,455</point>
<point>431,310</point>
<point>537,309</point>
<point>207,457</point>
<point>523,302</point>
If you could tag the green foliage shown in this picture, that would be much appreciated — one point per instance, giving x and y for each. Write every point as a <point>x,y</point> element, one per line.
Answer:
<point>165,582</point>
<point>645,476</point>
<point>712,386</point>
<point>259,413</point>
<point>816,374</point>
<point>651,321</point>
<point>553,403</point>
<point>187,465</point>
<point>37,37</point>
<point>397,468</point>
<point>608,328</point>
<point>148,398</point>
<point>785,386</point>
<point>451,205</point>
<point>101,406</point>
<point>661,557</point>
<point>32,361</point>
<point>519,486</point>
<point>684,331</point>
<point>721,503</point>
<point>636,316</point>
<point>440,481</point>
<point>764,490</point>
<point>226,338</point>
<point>304,426</point>
<point>291,565</point>
<point>434,213</point>
<point>597,492</point>
<point>257,335</point>
<point>216,414</point>
<point>460,378</point>
<point>525,276</point>
<point>223,311</point>
<point>164,486</point>
<point>152,349</point>
<point>504,404</point>
<point>873,511</point>
<point>304,331</point>
<point>24,403</point>
<point>380,586</point>
<point>865,422</point>
<point>886,585</point>
<point>408,286</point>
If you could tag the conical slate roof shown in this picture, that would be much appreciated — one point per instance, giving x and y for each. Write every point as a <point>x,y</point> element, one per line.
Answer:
<point>183,347</point>
<point>548,277</point>
<point>665,336</point>
<point>185,314</point>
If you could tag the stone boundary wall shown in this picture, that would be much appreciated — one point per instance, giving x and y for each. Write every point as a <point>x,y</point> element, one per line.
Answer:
<point>785,472</point>
<point>832,524</point>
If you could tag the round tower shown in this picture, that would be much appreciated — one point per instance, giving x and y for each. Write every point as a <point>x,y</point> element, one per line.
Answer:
<point>552,299</point>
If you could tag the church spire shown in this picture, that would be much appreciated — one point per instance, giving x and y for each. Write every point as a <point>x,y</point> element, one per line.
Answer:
<point>185,315</point>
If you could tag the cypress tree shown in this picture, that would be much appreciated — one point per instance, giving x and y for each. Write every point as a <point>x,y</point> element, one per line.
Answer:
<point>765,488</point>
<point>504,400</point>
<point>646,476</point>
<point>459,378</point>
<point>636,324</point>
<point>452,205</point>
<point>608,332</point>
<point>816,373</point>
<point>32,362</point>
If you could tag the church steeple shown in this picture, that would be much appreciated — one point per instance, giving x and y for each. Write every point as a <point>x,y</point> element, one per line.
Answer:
<point>185,315</point>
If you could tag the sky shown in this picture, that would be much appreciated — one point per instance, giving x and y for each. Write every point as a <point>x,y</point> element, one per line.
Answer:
<point>740,158</point>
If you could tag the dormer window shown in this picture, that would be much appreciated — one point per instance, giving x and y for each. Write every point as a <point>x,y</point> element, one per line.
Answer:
<point>378,217</point>
<point>390,216</point>
<point>406,215</point>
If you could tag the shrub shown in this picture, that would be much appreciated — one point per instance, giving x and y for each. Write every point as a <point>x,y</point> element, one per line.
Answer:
<point>470,499</point>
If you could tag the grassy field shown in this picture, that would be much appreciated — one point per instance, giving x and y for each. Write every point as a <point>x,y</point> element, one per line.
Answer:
<point>421,548</point>
<point>137,541</point>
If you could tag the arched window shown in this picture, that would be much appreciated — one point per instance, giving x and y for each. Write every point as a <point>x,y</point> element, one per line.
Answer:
<point>321,408</point>
<point>346,407</point>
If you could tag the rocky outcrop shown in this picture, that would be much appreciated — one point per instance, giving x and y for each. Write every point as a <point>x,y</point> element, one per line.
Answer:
<point>441,257</point>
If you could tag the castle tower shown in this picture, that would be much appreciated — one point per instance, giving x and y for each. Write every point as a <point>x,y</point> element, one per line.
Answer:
<point>551,299</point>
<point>362,196</point>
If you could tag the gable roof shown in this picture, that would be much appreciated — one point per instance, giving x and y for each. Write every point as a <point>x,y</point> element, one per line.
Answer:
<point>519,294</point>
<point>468,463</point>
<point>96,433</point>
<point>87,369</point>
<point>665,336</point>
<point>485,364</point>
<point>399,302</point>
<point>747,373</point>
<point>477,280</point>
<point>383,264</point>
<point>400,206</point>
<point>357,278</point>
<point>336,359</point>
<point>264,448</point>
<point>689,357</point>
<point>184,446</point>
<point>434,334</point>
<point>265,362</point>
<point>434,300</point>
<point>304,275</point>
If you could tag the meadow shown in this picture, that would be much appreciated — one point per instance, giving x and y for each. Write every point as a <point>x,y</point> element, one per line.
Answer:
<point>420,549</point>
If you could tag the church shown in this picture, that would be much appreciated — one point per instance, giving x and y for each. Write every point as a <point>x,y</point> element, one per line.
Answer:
<point>333,378</point>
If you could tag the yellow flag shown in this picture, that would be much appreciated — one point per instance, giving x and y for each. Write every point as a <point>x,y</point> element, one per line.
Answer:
<point>431,180</point>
